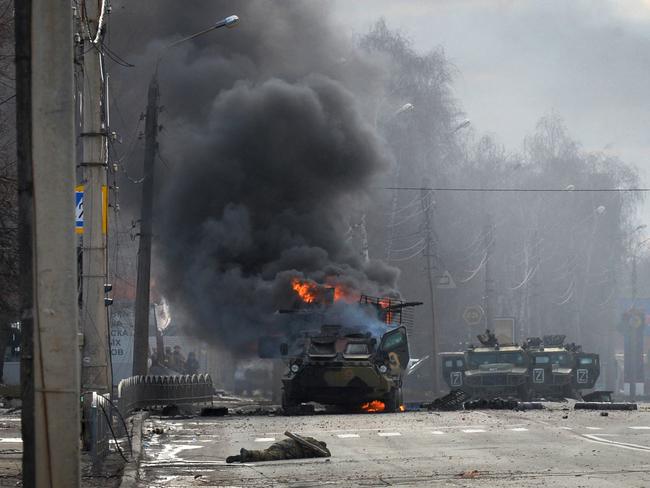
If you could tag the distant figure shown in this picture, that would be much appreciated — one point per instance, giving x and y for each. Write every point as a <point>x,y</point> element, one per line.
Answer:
<point>178,361</point>
<point>192,365</point>
<point>286,449</point>
<point>167,360</point>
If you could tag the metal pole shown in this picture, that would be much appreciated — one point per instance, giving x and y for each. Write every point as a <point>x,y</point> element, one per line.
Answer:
<point>95,372</point>
<point>55,308</point>
<point>141,332</point>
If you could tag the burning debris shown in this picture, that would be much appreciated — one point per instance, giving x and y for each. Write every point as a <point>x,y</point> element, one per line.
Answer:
<point>373,406</point>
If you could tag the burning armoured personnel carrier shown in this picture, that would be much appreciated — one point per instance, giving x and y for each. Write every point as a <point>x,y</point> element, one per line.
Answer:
<point>541,368</point>
<point>355,358</point>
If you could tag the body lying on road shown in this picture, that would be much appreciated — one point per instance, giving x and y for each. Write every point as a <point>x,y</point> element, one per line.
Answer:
<point>293,448</point>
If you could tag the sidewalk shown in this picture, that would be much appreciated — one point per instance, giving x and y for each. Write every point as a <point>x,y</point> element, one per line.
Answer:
<point>11,450</point>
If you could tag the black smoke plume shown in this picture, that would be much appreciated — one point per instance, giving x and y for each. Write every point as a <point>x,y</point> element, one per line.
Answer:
<point>270,153</point>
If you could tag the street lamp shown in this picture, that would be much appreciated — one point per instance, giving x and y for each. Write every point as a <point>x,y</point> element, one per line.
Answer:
<point>141,323</point>
<point>465,123</point>
<point>229,22</point>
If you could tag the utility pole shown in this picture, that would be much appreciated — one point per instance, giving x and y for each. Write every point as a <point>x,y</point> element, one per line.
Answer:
<point>488,296</point>
<point>95,370</point>
<point>141,332</point>
<point>634,360</point>
<point>536,316</point>
<point>48,264</point>
<point>142,292</point>
<point>430,267</point>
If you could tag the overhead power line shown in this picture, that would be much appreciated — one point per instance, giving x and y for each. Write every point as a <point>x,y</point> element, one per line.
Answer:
<point>513,190</point>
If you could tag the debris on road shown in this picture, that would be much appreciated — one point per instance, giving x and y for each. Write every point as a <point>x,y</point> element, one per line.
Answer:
<point>214,411</point>
<point>471,474</point>
<point>492,404</point>
<point>295,447</point>
<point>605,406</point>
<point>454,400</point>
<point>598,396</point>
<point>170,410</point>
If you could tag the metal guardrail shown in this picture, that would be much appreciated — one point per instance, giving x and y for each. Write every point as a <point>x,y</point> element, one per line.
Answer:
<point>158,391</point>
<point>98,421</point>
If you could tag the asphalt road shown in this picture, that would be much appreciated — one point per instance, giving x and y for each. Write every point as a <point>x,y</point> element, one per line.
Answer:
<point>476,448</point>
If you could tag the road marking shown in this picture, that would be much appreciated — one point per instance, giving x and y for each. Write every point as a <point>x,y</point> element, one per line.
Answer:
<point>346,436</point>
<point>473,431</point>
<point>594,428</point>
<point>640,427</point>
<point>265,439</point>
<point>622,445</point>
<point>11,439</point>
<point>566,428</point>
<point>519,429</point>
<point>438,432</point>
<point>388,434</point>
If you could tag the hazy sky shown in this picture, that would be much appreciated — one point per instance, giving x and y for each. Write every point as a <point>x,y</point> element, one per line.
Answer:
<point>518,60</point>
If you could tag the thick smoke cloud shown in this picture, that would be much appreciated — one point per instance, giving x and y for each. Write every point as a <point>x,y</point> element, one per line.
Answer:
<point>271,154</point>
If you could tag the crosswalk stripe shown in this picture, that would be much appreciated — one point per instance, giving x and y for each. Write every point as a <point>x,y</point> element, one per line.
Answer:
<point>265,439</point>
<point>594,428</point>
<point>438,432</point>
<point>388,434</point>
<point>473,431</point>
<point>519,429</point>
<point>639,427</point>
<point>566,428</point>
<point>347,436</point>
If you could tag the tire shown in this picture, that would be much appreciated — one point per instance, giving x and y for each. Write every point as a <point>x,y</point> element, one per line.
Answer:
<point>289,405</point>
<point>394,400</point>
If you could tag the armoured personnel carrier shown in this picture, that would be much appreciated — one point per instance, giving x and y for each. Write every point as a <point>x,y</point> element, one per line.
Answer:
<point>349,365</point>
<point>559,370</point>
<point>541,368</point>
<point>488,371</point>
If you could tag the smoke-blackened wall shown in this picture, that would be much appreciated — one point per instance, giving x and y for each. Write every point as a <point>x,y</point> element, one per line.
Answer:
<point>268,151</point>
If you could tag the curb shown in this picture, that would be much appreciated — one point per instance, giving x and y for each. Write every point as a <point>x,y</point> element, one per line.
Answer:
<point>130,475</point>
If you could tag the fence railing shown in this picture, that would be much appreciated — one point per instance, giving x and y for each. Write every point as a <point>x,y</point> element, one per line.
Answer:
<point>157,391</point>
<point>98,421</point>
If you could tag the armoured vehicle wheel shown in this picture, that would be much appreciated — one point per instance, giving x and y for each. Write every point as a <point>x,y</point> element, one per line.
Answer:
<point>524,394</point>
<point>394,400</point>
<point>289,405</point>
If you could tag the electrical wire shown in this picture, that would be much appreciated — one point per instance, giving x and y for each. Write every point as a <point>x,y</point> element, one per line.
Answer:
<point>110,427</point>
<point>475,272</point>
<point>516,190</point>
<point>409,257</point>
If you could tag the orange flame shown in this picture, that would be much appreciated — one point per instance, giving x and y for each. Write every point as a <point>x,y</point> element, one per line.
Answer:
<point>306,290</point>
<point>373,406</point>
<point>402,408</point>
<point>312,292</point>
<point>345,294</point>
<point>385,303</point>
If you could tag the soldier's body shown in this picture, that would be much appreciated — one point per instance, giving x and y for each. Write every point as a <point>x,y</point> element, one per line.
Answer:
<point>285,449</point>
